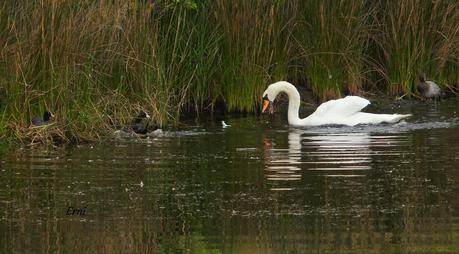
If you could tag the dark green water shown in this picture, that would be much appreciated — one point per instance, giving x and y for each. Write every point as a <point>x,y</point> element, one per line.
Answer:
<point>255,187</point>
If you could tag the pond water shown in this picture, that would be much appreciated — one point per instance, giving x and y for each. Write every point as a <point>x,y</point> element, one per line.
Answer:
<point>255,187</point>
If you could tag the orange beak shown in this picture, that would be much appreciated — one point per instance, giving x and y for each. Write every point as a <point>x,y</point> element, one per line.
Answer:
<point>265,105</point>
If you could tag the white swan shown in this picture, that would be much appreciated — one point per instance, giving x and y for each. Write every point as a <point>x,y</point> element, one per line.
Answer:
<point>345,111</point>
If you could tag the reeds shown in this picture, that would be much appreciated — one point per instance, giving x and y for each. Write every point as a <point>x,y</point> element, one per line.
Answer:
<point>83,60</point>
<point>95,64</point>
<point>416,36</point>
<point>254,49</point>
<point>332,37</point>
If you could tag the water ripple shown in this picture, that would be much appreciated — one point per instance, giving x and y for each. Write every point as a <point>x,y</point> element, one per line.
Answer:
<point>344,154</point>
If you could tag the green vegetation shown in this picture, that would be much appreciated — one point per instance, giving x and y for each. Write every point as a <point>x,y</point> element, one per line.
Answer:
<point>417,36</point>
<point>333,39</point>
<point>96,63</point>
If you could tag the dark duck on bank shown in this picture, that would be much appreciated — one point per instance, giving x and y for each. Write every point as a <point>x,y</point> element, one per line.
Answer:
<point>138,126</point>
<point>38,121</point>
<point>428,89</point>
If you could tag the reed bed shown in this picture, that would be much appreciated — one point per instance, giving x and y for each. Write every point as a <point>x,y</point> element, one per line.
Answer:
<point>254,49</point>
<point>332,37</point>
<point>414,37</point>
<point>95,64</point>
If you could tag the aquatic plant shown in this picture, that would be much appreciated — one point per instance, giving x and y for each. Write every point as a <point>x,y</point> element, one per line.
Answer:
<point>101,60</point>
<point>96,63</point>
<point>416,36</point>
<point>332,38</point>
<point>254,49</point>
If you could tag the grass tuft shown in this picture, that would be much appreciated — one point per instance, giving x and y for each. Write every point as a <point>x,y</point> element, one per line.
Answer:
<point>96,64</point>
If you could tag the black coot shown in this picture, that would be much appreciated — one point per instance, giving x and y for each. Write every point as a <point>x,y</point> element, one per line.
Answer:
<point>38,121</point>
<point>137,125</point>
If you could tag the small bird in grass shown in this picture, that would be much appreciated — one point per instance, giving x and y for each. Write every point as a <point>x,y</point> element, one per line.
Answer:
<point>137,125</point>
<point>428,89</point>
<point>224,125</point>
<point>38,121</point>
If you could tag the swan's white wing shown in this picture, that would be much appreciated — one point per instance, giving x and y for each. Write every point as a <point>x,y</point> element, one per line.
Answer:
<point>341,107</point>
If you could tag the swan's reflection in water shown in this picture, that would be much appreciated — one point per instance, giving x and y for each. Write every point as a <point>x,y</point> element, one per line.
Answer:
<point>284,163</point>
<point>336,154</point>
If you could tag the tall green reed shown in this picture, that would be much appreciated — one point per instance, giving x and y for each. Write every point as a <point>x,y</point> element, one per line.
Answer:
<point>97,63</point>
<point>332,38</point>
<point>414,37</point>
<point>254,49</point>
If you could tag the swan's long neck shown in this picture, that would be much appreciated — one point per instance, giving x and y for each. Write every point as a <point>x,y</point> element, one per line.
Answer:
<point>293,102</point>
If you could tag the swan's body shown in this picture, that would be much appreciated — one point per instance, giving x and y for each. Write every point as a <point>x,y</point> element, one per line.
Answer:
<point>345,111</point>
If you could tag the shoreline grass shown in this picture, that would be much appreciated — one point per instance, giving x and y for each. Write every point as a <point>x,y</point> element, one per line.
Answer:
<point>332,37</point>
<point>95,64</point>
<point>416,37</point>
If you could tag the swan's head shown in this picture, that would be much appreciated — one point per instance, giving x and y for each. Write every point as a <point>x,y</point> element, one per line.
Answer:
<point>270,94</point>
<point>267,102</point>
